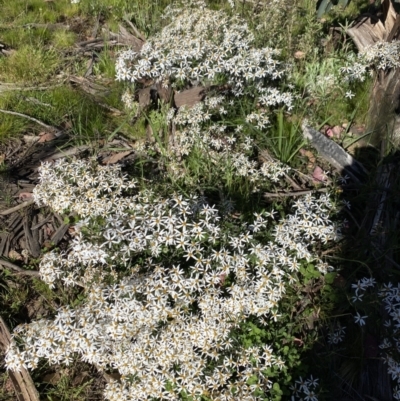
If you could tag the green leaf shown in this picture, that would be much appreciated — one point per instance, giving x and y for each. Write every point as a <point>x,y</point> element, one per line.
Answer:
<point>330,277</point>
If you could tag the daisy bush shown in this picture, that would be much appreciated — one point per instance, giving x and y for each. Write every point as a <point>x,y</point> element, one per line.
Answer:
<point>204,45</point>
<point>208,48</point>
<point>183,300</point>
<point>381,56</point>
<point>169,285</point>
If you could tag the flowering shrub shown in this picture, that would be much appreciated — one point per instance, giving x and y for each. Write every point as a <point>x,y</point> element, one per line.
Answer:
<point>169,283</point>
<point>379,56</point>
<point>208,47</point>
<point>390,296</point>
<point>200,45</point>
<point>305,389</point>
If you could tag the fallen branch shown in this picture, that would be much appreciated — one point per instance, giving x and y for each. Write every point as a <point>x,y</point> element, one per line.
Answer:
<point>293,193</point>
<point>18,269</point>
<point>334,154</point>
<point>134,29</point>
<point>4,87</point>
<point>90,87</point>
<point>53,27</point>
<point>16,208</point>
<point>14,113</point>
<point>66,153</point>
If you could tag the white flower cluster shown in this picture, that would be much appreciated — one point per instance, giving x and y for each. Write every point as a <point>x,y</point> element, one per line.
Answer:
<point>260,118</point>
<point>87,189</point>
<point>380,56</point>
<point>203,46</point>
<point>391,299</point>
<point>227,150</point>
<point>337,335</point>
<point>168,324</point>
<point>305,389</point>
<point>361,286</point>
<point>129,101</point>
<point>274,170</point>
<point>383,55</point>
<point>200,45</point>
<point>359,290</point>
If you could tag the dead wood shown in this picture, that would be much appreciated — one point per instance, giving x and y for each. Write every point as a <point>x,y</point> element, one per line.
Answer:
<point>64,153</point>
<point>145,97</point>
<point>134,29</point>
<point>18,207</point>
<point>90,86</point>
<point>283,194</point>
<point>334,154</point>
<point>58,235</point>
<point>126,38</point>
<point>23,384</point>
<point>32,242</point>
<point>164,93</point>
<point>189,97</point>
<point>18,269</point>
<point>114,111</point>
<point>41,222</point>
<point>384,99</point>
<point>95,44</point>
<point>38,102</point>
<point>48,127</point>
<point>6,87</point>
<point>383,104</point>
<point>369,29</point>
<point>116,157</point>
<point>123,37</point>
<point>4,239</point>
<point>89,69</point>
<point>51,27</point>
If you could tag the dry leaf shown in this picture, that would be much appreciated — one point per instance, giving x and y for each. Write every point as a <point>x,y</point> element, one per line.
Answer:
<point>46,137</point>
<point>81,378</point>
<point>48,230</point>
<point>72,231</point>
<point>299,55</point>
<point>310,156</point>
<point>13,254</point>
<point>189,97</point>
<point>2,158</point>
<point>116,157</point>
<point>319,175</point>
<point>111,376</point>
<point>52,378</point>
<point>29,139</point>
<point>25,195</point>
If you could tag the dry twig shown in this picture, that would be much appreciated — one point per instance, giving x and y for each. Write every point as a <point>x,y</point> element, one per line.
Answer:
<point>293,193</point>
<point>18,207</point>
<point>14,113</point>
<point>18,269</point>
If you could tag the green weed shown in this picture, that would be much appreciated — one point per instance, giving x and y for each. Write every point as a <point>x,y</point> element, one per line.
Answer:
<point>285,138</point>
<point>63,39</point>
<point>29,65</point>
